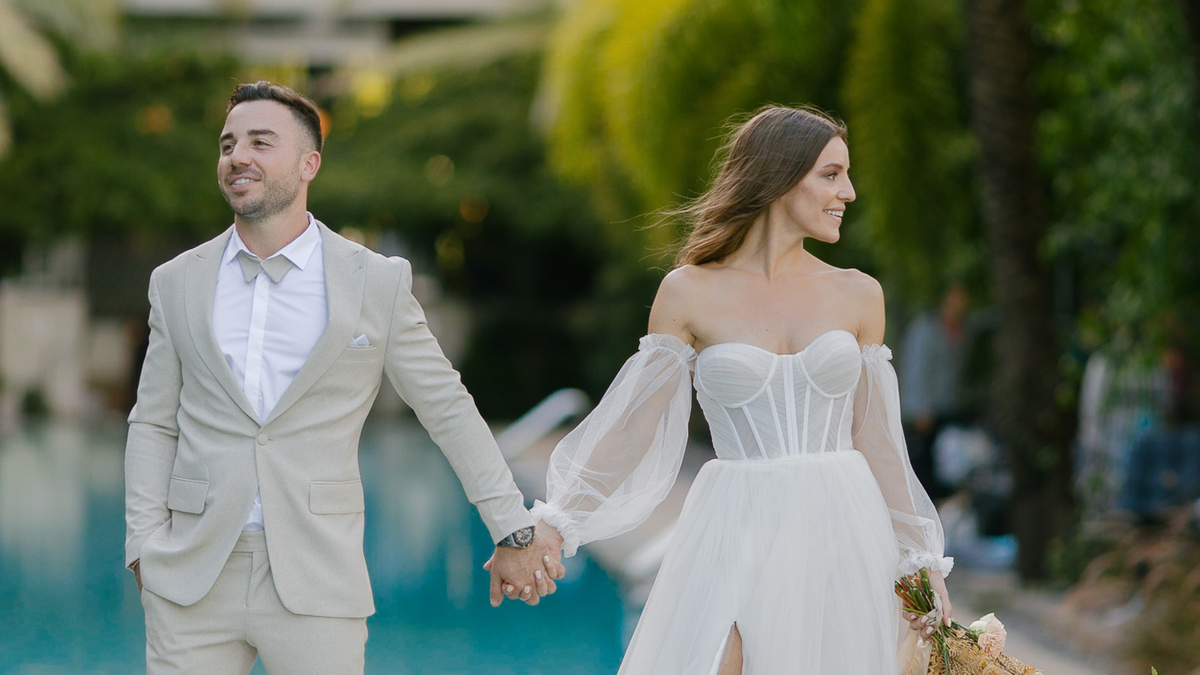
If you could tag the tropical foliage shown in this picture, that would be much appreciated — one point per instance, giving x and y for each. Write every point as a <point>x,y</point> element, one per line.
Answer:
<point>911,145</point>
<point>1118,136</point>
<point>1155,568</point>
<point>27,54</point>
<point>127,150</point>
<point>638,92</point>
<point>452,164</point>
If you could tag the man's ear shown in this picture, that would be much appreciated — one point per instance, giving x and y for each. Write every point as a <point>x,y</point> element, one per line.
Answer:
<point>310,163</point>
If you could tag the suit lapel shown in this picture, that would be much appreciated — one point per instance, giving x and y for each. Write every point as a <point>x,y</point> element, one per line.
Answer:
<point>344,282</point>
<point>201,285</point>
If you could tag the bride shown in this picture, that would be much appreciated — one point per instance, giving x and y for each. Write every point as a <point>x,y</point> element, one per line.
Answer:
<point>789,543</point>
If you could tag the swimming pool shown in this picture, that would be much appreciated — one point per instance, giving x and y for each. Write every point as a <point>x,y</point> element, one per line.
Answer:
<point>68,606</point>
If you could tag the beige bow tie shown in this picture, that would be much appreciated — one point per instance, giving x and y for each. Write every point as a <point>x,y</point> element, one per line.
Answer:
<point>276,267</point>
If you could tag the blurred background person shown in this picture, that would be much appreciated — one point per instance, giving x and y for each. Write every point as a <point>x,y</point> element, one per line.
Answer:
<point>931,365</point>
<point>1140,443</point>
<point>1121,400</point>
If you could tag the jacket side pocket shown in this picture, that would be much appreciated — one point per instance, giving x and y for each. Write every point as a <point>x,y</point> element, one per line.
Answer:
<point>187,495</point>
<point>335,497</point>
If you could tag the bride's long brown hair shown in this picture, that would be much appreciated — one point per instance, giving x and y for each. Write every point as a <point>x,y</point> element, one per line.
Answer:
<point>760,160</point>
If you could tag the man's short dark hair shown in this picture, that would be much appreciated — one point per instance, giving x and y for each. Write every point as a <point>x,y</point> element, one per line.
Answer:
<point>302,107</point>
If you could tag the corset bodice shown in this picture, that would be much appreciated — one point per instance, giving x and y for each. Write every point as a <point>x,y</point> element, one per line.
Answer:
<point>764,405</point>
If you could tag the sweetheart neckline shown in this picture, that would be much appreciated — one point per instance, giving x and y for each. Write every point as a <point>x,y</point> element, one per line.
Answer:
<point>777,355</point>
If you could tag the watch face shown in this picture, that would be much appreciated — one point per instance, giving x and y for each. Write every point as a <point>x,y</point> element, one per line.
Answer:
<point>523,537</point>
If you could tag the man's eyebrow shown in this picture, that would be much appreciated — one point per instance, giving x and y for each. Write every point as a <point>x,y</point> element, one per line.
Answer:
<point>228,135</point>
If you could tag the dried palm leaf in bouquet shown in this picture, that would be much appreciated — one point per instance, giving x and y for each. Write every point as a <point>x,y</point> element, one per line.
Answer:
<point>959,650</point>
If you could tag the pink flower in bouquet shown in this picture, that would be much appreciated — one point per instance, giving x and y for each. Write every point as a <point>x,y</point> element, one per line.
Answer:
<point>991,634</point>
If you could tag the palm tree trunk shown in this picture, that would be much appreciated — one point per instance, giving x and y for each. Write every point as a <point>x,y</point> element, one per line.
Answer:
<point>1033,428</point>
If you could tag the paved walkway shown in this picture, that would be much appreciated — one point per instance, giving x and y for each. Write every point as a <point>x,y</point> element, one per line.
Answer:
<point>1024,614</point>
<point>1050,659</point>
<point>634,558</point>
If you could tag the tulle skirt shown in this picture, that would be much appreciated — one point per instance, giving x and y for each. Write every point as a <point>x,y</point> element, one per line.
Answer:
<point>799,553</point>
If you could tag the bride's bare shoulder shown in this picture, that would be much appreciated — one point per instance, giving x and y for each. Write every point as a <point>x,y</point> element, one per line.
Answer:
<point>689,278</point>
<point>862,298</point>
<point>677,300</point>
<point>861,286</point>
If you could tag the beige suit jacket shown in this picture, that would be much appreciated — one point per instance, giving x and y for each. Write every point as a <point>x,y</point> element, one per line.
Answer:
<point>196,452</point>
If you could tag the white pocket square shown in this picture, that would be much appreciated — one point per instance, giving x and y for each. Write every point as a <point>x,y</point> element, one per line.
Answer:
<point>360,341</point>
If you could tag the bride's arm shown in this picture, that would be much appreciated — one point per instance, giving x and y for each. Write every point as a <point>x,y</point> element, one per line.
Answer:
<point>609,474</point>
<point>672,312</point>
<point>877,433</point>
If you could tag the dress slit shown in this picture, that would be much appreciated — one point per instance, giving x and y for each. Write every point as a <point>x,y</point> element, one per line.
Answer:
<point>720,659</point>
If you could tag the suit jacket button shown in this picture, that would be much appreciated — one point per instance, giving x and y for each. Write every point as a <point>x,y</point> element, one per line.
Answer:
<point>262,438</point>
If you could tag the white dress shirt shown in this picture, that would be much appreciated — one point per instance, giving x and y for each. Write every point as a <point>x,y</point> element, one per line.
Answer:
<point>266,330</point>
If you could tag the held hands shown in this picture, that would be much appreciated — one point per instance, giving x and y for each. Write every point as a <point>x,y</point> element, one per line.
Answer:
<point>942,612</point>
<point>527,574</point>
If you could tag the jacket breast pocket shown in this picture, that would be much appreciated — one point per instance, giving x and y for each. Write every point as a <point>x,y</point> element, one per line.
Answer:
<point>186,495</point>
<point>335,497</point>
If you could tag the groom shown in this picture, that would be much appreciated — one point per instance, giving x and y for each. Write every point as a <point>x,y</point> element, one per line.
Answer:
<point>268,345</point>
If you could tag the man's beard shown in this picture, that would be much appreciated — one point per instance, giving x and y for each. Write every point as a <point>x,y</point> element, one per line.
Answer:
<point>277,196</point>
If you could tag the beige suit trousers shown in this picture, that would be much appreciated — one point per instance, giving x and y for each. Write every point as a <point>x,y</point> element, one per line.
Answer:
<point>240,618</point>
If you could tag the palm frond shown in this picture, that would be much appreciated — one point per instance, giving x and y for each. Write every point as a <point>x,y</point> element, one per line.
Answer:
<point>28,56</point>
<point>88,23</point>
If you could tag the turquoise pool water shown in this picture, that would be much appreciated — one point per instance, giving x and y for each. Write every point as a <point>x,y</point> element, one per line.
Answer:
<point>68,606</point>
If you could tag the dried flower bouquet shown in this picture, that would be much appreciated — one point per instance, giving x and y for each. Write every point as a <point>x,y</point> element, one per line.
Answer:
<point>977,649</point>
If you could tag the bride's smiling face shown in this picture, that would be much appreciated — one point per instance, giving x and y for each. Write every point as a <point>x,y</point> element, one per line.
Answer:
<point>817,203</point>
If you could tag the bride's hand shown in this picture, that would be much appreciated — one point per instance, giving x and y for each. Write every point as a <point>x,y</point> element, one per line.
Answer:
<point>938,583</point>
<point>554,542</point>
<point>943,610</point>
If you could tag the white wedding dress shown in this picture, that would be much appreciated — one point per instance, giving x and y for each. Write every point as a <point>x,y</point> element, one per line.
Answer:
<point>796,532</point>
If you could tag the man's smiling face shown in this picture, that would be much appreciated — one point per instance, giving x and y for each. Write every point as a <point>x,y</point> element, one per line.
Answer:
<point>262,150</point>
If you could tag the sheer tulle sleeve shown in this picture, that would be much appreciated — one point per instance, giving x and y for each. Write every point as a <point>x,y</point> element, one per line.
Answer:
<point>878,435</point>
<point>608,474</point>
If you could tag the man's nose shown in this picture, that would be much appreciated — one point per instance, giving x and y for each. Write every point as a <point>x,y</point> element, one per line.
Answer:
<point>239,156</point>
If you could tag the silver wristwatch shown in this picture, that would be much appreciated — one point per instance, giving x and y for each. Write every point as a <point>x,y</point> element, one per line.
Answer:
<point>522,538</point>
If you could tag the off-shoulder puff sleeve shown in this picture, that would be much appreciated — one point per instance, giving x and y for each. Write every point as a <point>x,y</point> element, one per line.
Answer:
<point>878,435</point>
<point>607,475</point>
